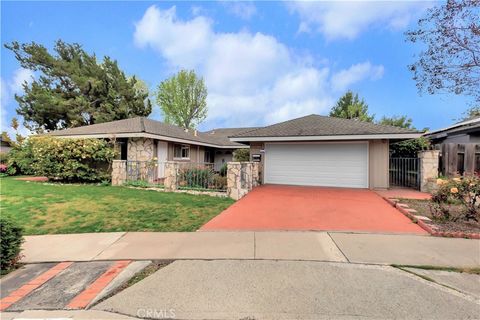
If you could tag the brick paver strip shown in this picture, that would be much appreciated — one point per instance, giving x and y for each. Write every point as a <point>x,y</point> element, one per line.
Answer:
<point>82,300</point>
<point>404,208</point>
<point>27,288</point>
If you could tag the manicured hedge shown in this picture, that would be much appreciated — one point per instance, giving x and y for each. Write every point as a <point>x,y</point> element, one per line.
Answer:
<point>69,160</point>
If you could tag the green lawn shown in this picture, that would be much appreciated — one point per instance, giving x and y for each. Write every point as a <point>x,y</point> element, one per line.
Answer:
<point>43,208</point>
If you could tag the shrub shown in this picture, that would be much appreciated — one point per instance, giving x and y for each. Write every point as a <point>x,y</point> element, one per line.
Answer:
<point>241,155</point>
<point>196,178</point>
<point>10,243</point>
<point>72,160</point>
<point>464,191</point>
<point>3,168</point>
<point>223,170</point>
<point>219,182</point>
<point>21,159</point>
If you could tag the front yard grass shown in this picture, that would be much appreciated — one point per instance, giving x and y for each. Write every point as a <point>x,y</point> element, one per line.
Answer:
<point>48,208</point>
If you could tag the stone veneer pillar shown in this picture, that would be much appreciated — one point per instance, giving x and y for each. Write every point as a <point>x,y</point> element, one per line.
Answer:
<point>242,177</point>
<point>428,169</point>
<point>170,181</point>
<point>119,172</point>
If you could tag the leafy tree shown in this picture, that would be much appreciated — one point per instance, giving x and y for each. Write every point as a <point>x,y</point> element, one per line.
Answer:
<point>349,106</point>
<point>406,148</point>
<point>183,99</point>
<point>73,89</point>
<point>241,155</point>
<point>397,121</point>
<point>451,61</point>
<point>471,113</point>
<point>409,148</point>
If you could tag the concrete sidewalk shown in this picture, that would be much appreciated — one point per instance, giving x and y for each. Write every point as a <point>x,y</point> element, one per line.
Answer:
<point>286,245</point>
<point>225,289</point>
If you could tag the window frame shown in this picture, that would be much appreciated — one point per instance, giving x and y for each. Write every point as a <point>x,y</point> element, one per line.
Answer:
<point>183,147</point>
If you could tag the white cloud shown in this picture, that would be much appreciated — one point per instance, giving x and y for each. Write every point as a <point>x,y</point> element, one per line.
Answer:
<point>8,89</point>
<point>183,42</point>
<point>252,78</point>
<point>347,19</point>
<point>20,76</point>
<point>357,72</point>
<point>242,9</point>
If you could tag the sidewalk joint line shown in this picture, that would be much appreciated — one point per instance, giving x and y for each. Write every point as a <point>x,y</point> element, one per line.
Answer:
<point>348,260</point>
<point>111,244</point>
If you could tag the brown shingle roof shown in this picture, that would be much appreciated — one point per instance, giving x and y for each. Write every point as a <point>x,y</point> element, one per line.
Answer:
<point>316,125</point>
<point>217,137</point>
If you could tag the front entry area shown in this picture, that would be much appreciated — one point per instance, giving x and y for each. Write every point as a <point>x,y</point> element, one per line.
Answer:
<point>279,207</point>
<point>317,164</point>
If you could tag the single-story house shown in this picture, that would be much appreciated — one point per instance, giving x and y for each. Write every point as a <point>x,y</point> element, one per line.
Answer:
<point>313,150</point>
<point>467,131</point>
<point>143,139</point>
<point>324,151</point>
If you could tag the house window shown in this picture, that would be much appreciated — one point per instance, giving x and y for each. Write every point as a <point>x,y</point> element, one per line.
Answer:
<point>181,151</point>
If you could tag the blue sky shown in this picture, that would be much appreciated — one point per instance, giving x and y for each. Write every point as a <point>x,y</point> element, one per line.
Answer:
<point>263,62</point>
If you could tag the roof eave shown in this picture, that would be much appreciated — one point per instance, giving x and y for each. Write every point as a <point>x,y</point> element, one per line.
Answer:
<point>413,135</point>
<point>146,135</point>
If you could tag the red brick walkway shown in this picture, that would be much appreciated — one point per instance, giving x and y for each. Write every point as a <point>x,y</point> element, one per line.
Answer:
<point>80,301</point>
<point>274,207</point>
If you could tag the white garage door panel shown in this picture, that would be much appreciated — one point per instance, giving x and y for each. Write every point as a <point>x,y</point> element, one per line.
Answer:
<point>335,165</point>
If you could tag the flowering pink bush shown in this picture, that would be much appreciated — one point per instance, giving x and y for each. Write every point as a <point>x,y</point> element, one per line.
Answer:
<point>3,168</point>
<point>459,190</point>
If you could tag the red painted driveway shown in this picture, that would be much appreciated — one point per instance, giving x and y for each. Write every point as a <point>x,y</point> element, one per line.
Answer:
<point>275,207</point>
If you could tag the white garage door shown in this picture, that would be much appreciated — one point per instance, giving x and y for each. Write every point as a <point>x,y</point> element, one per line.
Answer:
<point>332,165</point>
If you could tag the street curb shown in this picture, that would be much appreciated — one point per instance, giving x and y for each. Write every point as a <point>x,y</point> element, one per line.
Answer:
<point>402,207</point>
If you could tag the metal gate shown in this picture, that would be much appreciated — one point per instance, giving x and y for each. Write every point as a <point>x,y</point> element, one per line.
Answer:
<point>405,172</point>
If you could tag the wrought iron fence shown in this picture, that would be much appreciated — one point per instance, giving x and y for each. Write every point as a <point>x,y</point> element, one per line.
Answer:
<point>145,173</point>
<point>188,175</point>
<point>200,176</point>
<point>405,172</point>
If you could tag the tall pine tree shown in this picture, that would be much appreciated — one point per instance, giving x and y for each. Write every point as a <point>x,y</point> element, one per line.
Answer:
<point>73,89</point>
<point>349,106</point>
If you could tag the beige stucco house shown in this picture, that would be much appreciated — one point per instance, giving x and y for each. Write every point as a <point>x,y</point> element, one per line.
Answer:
<point>324,151</point>
<point>313,150</point>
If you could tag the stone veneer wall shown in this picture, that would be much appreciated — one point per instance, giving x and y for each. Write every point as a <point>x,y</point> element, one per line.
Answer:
<point>140,149</point>
<point>119,172</point>
<point>428,169</point>
<point>242,177</point>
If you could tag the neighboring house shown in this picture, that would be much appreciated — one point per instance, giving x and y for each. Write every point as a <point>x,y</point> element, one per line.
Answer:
<point>467,131</point>
<point>460,147</point>
<point>5,146</point>
<point>142,139</point>
<point>324,151</point>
